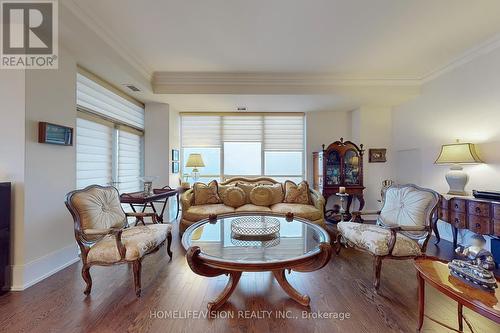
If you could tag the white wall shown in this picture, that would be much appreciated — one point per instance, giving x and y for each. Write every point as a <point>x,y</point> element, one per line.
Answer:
<point>50,173</point>
<point>462,104</point>
<point>156,143</point>
<point>12,115</point>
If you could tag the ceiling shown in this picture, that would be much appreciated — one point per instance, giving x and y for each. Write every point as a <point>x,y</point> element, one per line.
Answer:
<point>348,39</point>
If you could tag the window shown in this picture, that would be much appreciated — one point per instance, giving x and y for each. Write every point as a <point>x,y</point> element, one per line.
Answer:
<point>109,138</point>
<point>257,144</point>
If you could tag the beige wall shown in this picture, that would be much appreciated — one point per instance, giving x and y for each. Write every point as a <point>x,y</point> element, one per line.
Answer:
<point>462,104</point>
<point>174,143</point>
<point>12,115</point>
<point>156,143</point>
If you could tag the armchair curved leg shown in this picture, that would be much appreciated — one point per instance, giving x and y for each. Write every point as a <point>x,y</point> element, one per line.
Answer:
<point>87,278</point>
<point>169,243</point>
<point>377,266</point>
<point>137,277</point>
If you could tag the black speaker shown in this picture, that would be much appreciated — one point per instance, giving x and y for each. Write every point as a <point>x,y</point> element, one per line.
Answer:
<point>4,233</point>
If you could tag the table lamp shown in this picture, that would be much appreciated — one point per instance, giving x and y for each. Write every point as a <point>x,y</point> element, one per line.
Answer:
<point>457,154</point>
<point>195,161</point>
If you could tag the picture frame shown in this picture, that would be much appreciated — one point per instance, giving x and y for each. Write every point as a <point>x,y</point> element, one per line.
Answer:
<point>175,167</point>
<point>55,134</point>
<point>377,155</point>
<point>175,155</point>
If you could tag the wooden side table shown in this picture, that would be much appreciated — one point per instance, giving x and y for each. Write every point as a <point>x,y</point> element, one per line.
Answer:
<point>436,273</point>
<point>159,196</point>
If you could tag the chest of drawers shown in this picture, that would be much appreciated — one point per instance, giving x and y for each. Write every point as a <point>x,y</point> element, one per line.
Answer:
<point>480,216</point>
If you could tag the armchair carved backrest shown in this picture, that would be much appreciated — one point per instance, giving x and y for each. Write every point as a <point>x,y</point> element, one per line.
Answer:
<point>409,207</point>
<point>94,210</point>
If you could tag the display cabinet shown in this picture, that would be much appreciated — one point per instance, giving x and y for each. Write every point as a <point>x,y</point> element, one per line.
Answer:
<point>339,165</point>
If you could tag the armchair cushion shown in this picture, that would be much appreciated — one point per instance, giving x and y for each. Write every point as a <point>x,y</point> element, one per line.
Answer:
<point>309,212</point>
<point>406,206</point>
<point>138,241</point>
<point>99,208</point>
<point>375,239</point>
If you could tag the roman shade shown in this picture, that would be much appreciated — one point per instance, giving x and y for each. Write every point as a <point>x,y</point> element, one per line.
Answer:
<point>94,97</point>
<point>201,131</point>
<point>129,160</point>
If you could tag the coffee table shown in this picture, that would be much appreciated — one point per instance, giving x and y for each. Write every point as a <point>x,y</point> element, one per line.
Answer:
<point>435,272</point>
<point>213,249</point>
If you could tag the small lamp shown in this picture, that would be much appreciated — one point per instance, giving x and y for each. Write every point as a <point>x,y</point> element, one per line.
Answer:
<point>456,154</point>
<point>195,161</point>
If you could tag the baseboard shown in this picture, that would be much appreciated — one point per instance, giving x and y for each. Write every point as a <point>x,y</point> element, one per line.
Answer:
<point>24,276</point>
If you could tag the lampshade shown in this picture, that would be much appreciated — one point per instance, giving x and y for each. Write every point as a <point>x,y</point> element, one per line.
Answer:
<point>195,161</point>
<point>458,153</point>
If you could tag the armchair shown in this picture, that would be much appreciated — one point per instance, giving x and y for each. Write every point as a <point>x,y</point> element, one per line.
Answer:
<point>103,235</point>
<point>402,231</point>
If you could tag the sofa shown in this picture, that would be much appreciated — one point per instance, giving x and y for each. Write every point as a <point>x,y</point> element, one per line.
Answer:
<point>260,194</point>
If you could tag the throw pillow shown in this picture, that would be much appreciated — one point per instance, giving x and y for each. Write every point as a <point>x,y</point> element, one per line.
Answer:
<point>297,193</point>
<point>247,188</point>
<point>233,197</point>
<point>205,194</point>
<point>266,195</point>
<point>222,189</point>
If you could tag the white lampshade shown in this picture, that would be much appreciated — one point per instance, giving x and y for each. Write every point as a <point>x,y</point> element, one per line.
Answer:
<point>195,161</point>
<point>458,153</point>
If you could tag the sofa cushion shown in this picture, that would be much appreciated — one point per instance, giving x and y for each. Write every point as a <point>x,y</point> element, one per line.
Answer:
<point>266,195</point>
<point>247,188</point>
<point>308,212</point>
<point>376,239</point>
<point>233,197</point>
<point>298,194</point>
<point>137,240</point>
<point>253,208</point>
<point>206,193</point>
<point>196,213</point>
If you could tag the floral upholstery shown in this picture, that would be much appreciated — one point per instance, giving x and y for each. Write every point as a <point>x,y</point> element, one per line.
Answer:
<point>375,239</point>
<point>308,212</point>
<point>298,194</point>
<point>138,241</point>
<point>196,213</point>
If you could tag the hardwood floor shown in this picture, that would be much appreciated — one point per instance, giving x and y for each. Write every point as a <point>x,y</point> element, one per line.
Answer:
<point>343,287</point>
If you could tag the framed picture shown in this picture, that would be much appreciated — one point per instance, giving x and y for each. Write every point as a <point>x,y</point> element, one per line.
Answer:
<point>175,167</point>
<point>175,155</point>
<point>377,155</point>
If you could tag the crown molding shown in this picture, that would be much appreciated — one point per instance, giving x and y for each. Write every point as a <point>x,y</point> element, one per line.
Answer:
<point>464,58</point>
<point>89,20</point>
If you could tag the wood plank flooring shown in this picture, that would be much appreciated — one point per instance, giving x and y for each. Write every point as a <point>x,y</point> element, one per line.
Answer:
<point>342,288</point>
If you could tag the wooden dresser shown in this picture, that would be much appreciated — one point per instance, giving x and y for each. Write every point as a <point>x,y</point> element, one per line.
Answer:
<point>481,216</point>
<point>4,231</point>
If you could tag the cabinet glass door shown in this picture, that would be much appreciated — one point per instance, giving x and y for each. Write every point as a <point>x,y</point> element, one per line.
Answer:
<point>332,168</point>
<point>351,168</point>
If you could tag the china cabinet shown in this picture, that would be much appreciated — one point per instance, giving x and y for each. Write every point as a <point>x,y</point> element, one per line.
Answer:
<point>339,165</point>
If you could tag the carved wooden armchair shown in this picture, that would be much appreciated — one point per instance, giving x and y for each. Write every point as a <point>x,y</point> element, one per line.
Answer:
<point>102,232</point>
<point>403,229</point>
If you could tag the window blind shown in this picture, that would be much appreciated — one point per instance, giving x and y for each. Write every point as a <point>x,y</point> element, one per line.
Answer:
<point>284,133</point>
<point>201,131</point>
<point>129,161</point>
<point>92,96</point>
<point>242,128</point>
<point>94,152</point>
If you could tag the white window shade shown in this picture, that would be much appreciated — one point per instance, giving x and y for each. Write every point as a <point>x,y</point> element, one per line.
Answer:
<point>242,128</point>
<point>94,151</point>
<point>201,131</point>
<point>284,133</point>
<point>98,99</point>
<point>129,161</point>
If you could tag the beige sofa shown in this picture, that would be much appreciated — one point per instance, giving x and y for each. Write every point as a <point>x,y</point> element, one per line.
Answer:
<point>192,213</point>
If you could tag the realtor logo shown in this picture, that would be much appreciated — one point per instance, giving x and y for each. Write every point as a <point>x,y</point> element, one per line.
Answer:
<point>29,34</point>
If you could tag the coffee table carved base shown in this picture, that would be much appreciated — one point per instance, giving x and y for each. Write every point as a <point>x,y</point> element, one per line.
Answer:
<point>204,267</point>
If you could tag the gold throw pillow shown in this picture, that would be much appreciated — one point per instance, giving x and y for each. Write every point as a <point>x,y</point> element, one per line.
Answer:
<point>247,188</point>
<point>205,194</point>
<point>266,195</point>
<point>233,197</point>
<point>297,193</point>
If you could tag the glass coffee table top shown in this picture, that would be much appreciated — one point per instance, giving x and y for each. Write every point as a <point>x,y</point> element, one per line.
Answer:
<point>253,238</point>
